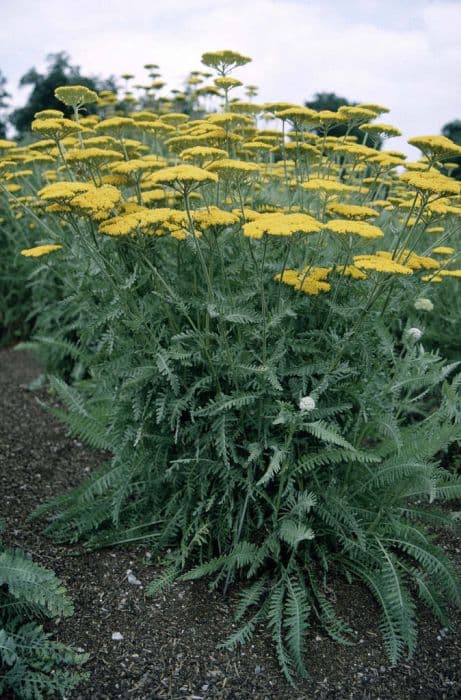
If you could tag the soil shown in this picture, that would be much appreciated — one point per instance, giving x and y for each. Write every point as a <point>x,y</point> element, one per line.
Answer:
<point>167,646</point>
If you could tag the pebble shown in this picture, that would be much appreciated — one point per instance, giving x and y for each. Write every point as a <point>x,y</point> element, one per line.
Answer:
<point>117,636</point>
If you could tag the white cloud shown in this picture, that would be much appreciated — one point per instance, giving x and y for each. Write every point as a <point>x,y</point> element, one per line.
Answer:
<point>403,55</point>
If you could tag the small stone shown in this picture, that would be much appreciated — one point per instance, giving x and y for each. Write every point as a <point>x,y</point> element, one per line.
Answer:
<point>132,578</point>
<point>117,636</point>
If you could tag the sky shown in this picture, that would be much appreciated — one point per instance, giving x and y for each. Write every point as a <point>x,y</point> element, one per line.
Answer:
<point>405,54</point>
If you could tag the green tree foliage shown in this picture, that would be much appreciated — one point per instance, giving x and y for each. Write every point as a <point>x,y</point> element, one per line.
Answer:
<point>4,95</point>
<point>452,130</point>
<point>59,72</point>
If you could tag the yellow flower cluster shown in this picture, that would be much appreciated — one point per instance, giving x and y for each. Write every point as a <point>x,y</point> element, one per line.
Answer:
<point>352,211</point>
<point>310,280</point>
<point>355,228</point>
<point>380,263</point>
<point>281,225</point>
<point>40,250</point>
<point>222,175</point>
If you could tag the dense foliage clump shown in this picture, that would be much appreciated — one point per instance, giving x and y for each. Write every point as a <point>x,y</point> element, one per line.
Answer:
<point>240,318</point>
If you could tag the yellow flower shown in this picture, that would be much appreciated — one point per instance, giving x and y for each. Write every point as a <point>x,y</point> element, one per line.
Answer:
<point>224,61</point>
<point>431,183</point>
<point>443,250</point>
<point>63,190</point>
<point>40,250</point>
<point>54,128</point>
<point>328,186</point>
<point>381,264</point>
<point>213,216</point>
<point>92,154</point>
<point>432,278</point>
<point>351,271</point>
<point>227,83</point>
<point>281,225</point>
<point>310,281</point>
<point>202,154</point>
<point>183,177</point>
<point>75,95</point>
<point>449,273</point>
<point>175,118</point>
<point>97,202</point>
<point>357,228</point>
<point>142,221</point>
<point>410,259</point>
<point>351,211</point>
<point>49,114</point>
<point>115,124</point>
<point>234,169</point>
<point>381,130</point>
<point>436,147</point>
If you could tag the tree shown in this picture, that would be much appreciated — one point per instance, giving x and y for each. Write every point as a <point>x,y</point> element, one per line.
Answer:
<point>59,72</point>
<point>3,105</point>
<point>452,130</point>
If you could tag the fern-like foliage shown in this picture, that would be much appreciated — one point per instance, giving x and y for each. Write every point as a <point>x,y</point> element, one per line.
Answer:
<point>32,664</point>
<point>197,397</point>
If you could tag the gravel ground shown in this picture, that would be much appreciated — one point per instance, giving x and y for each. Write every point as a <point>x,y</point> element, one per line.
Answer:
<point>144,648</point>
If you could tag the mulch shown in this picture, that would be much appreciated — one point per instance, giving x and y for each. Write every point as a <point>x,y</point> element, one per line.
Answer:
<point>153,648</point>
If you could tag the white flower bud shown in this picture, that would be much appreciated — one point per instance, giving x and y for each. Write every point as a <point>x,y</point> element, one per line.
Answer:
<point>306,403</point>
<point>423,304</point>
<point>415,334</point>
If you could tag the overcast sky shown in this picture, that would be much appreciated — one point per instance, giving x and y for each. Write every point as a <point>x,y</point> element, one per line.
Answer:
<point>405,54</point>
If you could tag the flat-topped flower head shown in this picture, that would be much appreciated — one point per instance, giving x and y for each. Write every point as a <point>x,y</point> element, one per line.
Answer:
<point>75,95</point>
<point>49,114</point>
<point>40,250</point>
<point>378,263</point>
<point>214,216</point>
<point>355,228</point>
<point>183,177</point>
<point>436,147</point>
<point>174,118</point>
<point>356,114</point>
<point>443,250</point>
<point>115,125</point>
<point>224,61</point>
<point>431,183</point>
<point>92,155</point>
<point>297,115</point>
<point>54,128</point>
<point>352,211</point>
<point>227,83</point>
<point>63,191</point>
<point>143,220</point>
<point>326,186</point>
<point>377,109</point>
<point>203,154</point>
<point>98,202</point>
<point>449,273</point>
<point>351,271</point>
<point>382,130</point>
<point>276,224</point>
<point>234,169</point>
<point>310,281</point>
<point>423,304</point>
<point>410,259</point>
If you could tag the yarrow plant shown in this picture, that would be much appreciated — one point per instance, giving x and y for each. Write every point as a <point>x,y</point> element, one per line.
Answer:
<point>240,303</point>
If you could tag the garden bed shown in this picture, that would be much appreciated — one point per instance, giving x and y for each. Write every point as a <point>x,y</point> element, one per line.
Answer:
<point>168,645</point>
